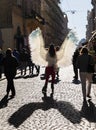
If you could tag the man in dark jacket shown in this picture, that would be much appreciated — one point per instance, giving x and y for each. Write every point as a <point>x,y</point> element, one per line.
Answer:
<point>10,64</point>
<point>74,61</point>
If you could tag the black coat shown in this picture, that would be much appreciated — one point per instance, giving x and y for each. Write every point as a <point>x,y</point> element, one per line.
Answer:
<point>10,64</point>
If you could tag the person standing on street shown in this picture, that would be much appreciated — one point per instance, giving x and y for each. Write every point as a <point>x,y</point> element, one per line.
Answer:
<point>74,61</point>
<point>84,59</point>
<point>50,69</point>
<point>1,57</point>
<point>10,64</point>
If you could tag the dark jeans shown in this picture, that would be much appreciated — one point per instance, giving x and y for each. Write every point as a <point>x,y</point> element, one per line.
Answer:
<point>49,71</point>
<point>75,69</point>
<point>0,71</point>
<point>10,86</point>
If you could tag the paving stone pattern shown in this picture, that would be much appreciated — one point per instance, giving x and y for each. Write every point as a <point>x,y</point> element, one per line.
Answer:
<point>30,111</point>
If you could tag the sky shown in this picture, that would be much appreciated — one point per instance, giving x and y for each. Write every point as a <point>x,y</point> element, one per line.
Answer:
<point>78,20</point>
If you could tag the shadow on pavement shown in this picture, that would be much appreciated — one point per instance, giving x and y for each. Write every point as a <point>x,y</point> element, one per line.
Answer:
<point>4,101</point>
<point>88,111</point>
<point>26,76</point>
<point>30,76</point>
<point>65,108</point>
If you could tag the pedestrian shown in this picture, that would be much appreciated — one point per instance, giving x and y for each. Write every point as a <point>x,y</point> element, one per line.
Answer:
<point>84,59</point>
<point>32,65</point>
<point>23,61</point>
<point>1,57</point>
<point>58,68</point>
<point>50,69</point>
<point>17,55</point>
<point>10,64</point>
<point>50,58</point>
<point>19,39</point>
<point>74,61</point>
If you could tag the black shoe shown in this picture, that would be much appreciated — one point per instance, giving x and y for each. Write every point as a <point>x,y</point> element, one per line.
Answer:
<point>84,101</point>
<point>44,92</point>
<point>51,95</point>
<point>6,95</point>
<point>88,96</point>
<point>12,96</point>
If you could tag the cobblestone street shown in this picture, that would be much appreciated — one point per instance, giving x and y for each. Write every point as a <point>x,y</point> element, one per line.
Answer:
<point>29,111</point>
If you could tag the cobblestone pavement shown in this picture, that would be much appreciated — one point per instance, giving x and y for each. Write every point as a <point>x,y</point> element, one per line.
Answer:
<point>29,111</point>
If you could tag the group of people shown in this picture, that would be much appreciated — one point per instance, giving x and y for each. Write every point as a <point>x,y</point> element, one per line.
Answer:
<point>82,61</point>
<point>11,62</point>
<point>24,59</point>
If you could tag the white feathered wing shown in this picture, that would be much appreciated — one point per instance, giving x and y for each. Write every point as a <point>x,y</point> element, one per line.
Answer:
<point>38,51</point>
<point>64,55</point>
<point>36,45</point>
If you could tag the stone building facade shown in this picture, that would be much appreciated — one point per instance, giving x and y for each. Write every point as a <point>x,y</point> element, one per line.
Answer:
<point>11,17</point>
<point>28,15</point>
<point>56,28</point>
<point>90,25</point>
<point>91,18</point>
<point>91,30</point>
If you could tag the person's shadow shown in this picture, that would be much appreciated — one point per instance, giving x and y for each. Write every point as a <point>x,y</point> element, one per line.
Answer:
<point>88,111</point>
<point>65,108</point>
<point>4,101</point>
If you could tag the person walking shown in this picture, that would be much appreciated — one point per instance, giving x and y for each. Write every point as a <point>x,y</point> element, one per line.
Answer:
<point>10,64</point>
<point>50,69</point>
<point>32,65</point>
<point>74,60</point>
<point>84,59</point>
<point>23,61</point>
<point>1,57</point>
<point>50,58</point>
<point>58,68</point>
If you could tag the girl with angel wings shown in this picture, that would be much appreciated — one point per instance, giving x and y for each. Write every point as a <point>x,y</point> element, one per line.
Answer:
<point>50,58</point>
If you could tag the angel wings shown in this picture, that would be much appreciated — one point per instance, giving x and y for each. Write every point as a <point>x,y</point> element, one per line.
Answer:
<point>38,51</point>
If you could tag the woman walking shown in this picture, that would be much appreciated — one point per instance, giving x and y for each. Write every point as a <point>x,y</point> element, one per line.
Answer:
<point>82,62</point>
<point>50,58</point>
<point>50,69</point>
